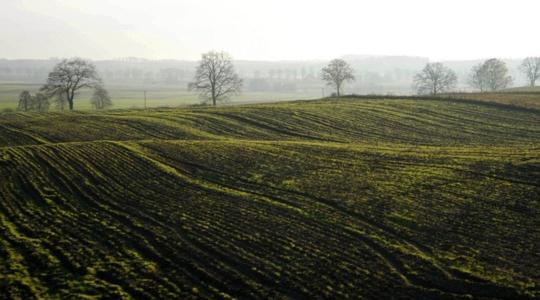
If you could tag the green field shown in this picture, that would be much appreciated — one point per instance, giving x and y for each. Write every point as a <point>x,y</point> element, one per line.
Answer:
<point>131,96</point>
<point>356,198</point>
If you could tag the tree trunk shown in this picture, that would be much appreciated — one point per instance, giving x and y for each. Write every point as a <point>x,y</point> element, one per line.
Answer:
<point>70,103</point>
<point>70,100</point>
<point>214,94</point>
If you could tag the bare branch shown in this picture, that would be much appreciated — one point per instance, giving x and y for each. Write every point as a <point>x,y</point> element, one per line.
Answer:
<point>336,73</point>
<point>531,68</point>
<point>68,77</point>
<point>434,79</point>
<point>215,78</point>
<point>490,76</point>
<point>100,98</point>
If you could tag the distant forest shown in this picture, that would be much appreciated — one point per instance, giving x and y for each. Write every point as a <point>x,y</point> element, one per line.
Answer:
<point>374,74</point>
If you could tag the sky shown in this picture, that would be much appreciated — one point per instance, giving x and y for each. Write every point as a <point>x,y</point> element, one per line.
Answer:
<point>268,29</point>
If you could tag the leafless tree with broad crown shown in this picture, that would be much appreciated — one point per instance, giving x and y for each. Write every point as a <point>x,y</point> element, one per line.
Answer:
<point>434,79</point>
<point>337,73</point>
<point>531,68</point>
<point>69,76</point>
<point>215,78</point>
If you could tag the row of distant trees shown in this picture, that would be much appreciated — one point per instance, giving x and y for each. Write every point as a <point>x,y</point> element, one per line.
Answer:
<point>435,78</point>
<point>63,84</point>
<point>216,80</point>
<point>491,75</point>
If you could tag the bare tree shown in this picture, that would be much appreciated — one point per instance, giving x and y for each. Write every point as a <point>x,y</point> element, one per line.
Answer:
<point>531,68</point>
<point>434,79</point>
<point>491,75</point>
<point>336,73</point>
<point>60,100</point>
<point>69,76</point>
<point>40,102</point>
<point>100,99</point>
<point>215,78</point>
<point>29,102</point>
<point>25,101</point>
<point>477,78</point>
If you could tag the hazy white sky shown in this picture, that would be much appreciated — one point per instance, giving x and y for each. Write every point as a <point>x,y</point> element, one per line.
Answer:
<point>268,29</point>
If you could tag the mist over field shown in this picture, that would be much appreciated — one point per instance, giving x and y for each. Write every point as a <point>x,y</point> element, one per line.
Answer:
<point>278,47</point>
<point>376,74</point>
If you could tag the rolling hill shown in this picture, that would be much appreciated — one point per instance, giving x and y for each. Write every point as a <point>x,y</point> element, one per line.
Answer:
<point>519,97</point>
<point>375,199</point>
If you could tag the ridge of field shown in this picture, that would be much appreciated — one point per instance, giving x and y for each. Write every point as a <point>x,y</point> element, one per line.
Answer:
<point>518,97</point>
<point>372,199</point>
<point>419,122</point>
<point>526,89</point>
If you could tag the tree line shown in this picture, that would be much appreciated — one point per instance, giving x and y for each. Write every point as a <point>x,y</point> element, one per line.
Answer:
<point>435,78</point>
<point>215,80</point>
<point>489,76</point>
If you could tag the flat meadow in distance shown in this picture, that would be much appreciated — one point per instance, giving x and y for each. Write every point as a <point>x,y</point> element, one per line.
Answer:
<point>128,96</point>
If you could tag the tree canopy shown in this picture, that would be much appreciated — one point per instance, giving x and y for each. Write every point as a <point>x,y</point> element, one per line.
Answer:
<point>434,79</point>
<point>490,75</point>
<point>215,78</point>
<point>69,76</point>
<point>337,73</point>
<point>531,68</point>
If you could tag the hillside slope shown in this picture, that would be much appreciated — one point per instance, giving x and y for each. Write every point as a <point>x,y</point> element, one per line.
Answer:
<point>518,97</point>
<point>419,122</point>
<point>330,199</point>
